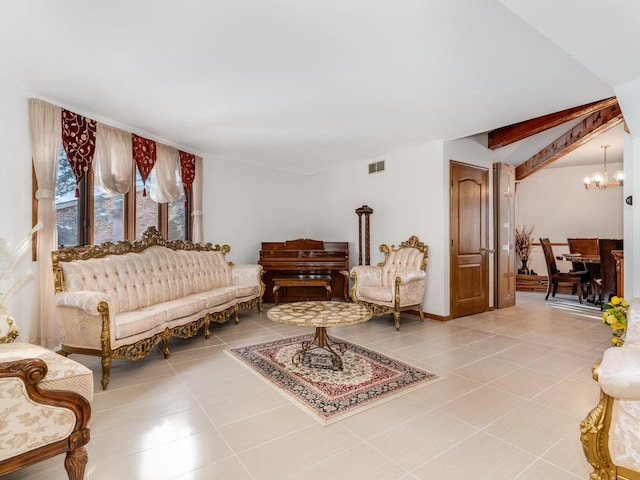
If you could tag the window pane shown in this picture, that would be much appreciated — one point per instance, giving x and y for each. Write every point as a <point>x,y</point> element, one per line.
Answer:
<point>66,203</point>
<point>108,213</point>
<point>146,209</point>
<point>177,218</point>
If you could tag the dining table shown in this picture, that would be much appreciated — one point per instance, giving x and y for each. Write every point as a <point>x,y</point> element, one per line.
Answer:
<point>586,259</point>
<point>579,257</point>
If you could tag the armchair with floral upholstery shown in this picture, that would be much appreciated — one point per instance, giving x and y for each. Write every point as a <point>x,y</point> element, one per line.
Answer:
<point>610,433</point>
<point>396,284</point>
<point>44,408</point>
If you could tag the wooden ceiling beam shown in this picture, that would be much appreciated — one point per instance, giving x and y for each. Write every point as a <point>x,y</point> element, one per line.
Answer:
<point>503,136</point>
<point>591,126</point>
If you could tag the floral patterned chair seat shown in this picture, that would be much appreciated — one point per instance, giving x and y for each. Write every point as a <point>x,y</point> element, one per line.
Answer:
<point>44,408</point>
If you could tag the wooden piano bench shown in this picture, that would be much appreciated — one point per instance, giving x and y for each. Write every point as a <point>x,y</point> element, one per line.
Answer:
<point>302,281</point>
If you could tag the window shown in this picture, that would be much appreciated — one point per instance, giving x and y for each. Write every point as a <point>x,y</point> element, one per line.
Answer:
<point>177,219</point>
<point>66,203</point>
<point>108,216</point>
<point>97,217</point>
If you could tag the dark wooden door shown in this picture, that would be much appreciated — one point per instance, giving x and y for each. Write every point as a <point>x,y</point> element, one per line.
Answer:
<point>504,184</point>
<point>469,238</point>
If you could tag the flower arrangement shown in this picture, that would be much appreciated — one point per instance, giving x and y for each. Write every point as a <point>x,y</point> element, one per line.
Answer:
<point>615,315</point>
<point>9,261</point>
<point>524,246</point>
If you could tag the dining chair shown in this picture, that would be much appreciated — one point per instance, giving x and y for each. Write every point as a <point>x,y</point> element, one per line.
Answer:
<point>556,276</point>
<point>591,247</point>
<point>609,281</point>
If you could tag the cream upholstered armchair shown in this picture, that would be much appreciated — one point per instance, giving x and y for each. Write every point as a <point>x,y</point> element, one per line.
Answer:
<point>610,433</point>
<point>395,284</point>
<point>44,408</point>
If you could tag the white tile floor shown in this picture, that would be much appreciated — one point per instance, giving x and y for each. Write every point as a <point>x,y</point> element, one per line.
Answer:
<point>517,382</point>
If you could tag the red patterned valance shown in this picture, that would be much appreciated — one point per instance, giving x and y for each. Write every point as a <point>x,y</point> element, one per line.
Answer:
<point>144,153</point>
<point>188,170</point>
<point>79,141</point>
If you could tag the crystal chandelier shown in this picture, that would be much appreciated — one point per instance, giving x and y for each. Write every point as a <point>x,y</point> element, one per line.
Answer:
<point>601,179</point>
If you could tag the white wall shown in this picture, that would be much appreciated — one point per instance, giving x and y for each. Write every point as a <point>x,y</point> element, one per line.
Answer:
<point>15,191</point>
<point>406,200</point>
<point>558,206</point>
<point>628,96</point>
<point>245,205</point>
<point>411,197</point>
<point>632,221</point>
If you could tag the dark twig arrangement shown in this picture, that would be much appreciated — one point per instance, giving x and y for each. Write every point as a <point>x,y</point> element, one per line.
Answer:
<point>524,244</point>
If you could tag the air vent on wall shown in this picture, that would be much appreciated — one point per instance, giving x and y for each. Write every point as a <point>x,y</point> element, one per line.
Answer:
<point>376,167</point>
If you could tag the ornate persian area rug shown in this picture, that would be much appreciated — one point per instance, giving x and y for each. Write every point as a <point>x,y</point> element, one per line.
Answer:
<point>367,379</point>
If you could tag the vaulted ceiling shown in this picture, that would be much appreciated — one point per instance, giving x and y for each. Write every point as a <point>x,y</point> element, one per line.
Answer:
<point>307,85</point>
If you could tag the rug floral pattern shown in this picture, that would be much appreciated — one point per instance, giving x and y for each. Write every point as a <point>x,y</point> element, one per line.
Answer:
<point>368,377</point>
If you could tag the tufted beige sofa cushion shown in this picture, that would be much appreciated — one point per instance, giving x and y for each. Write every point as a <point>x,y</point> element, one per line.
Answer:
<point>146,292</point>
<point>377,284</point>
<point>134,281</point>
<point>403,260</point>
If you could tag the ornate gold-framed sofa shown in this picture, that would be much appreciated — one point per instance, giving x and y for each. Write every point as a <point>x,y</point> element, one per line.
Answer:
<point>395,284</point>
<point>120,300</point>
<point>610,433</point>
<point>44,408</point>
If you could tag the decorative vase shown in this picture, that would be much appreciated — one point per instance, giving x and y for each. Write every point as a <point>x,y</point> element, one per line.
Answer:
<point>8,329</point>
<point>524,270</point>
<point>618,337</point>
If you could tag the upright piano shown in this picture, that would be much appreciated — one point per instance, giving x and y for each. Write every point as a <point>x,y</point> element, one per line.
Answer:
<point>304,258</point>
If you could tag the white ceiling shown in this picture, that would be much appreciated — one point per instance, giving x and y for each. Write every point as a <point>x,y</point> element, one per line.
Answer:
<point>305,85</point>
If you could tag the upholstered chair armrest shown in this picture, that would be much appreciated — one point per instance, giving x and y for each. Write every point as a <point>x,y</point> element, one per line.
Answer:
<point>619,372</point>
<point>246,274</point>
<point>81,322</point>
<point>86,301</point>
<point>367,275</point>
<point>410,276</point>
<point>35,417</point>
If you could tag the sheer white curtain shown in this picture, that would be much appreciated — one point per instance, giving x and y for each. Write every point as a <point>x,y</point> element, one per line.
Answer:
<point>196,198</point>
<point>46,136</point>
<point>165,184</point>
<point>113,160</point>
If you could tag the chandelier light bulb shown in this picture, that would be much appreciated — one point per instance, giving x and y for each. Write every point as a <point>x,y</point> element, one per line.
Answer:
<point>597,178</point>
<point>619,176</point>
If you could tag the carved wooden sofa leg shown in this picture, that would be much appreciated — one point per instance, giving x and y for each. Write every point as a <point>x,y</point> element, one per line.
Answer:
<point>76,461</point>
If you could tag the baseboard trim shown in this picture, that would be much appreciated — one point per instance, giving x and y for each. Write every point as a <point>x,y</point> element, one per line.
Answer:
<point>430,315</point>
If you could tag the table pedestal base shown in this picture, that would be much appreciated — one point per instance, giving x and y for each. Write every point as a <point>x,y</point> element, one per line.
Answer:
<point>324,342</point>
